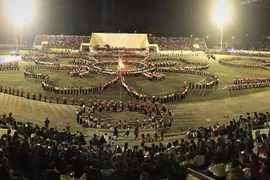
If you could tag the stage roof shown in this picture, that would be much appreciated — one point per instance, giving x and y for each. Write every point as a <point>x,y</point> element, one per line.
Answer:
<point>129,40</point>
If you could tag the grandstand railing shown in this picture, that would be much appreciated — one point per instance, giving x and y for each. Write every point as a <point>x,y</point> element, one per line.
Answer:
<point>199,175</point>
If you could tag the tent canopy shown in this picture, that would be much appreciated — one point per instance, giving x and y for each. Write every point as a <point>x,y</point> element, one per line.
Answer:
<point>119,40</point>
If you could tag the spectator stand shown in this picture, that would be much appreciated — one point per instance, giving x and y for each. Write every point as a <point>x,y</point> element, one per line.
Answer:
<point>178,43</point>
<point>61,41</point>
<point>202,150</point>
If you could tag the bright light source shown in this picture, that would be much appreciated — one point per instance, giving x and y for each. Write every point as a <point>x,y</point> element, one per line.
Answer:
<point>20,11</point>
<point>120,64</point>
<point>222,12</point>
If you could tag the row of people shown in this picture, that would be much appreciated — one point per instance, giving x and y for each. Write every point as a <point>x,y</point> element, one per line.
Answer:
<point>9,66</point>
<point>154,76</point>
<point>262,65</point>
<point>242,86</point>
<point>250,80</point>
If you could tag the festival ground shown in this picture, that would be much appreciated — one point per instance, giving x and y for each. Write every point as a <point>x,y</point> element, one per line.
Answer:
<point>199,108</point>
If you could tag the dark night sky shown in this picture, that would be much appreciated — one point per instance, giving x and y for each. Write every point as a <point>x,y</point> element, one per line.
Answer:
<point>159,17</point>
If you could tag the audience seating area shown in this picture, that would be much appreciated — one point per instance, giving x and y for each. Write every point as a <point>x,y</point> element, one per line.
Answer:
<point>261,45</point>
<point>62,41</point>
<point>164,43</point>
<point>223,151</point>
<point>178,43</point>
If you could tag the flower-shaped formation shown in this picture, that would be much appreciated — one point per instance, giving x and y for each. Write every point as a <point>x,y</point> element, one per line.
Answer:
<point>148,67</point>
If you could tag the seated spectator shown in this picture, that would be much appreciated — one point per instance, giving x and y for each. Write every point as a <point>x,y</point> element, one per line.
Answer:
<point>161,137</point>
<point>92,172</point>
<point>216,170</point>
<point>94,140</point>
<point>121,172</point>
<point>5,173</point>
<point>148,138</point>
<point>253,165</point>
<point>236,172</point>
<point>107,173</point>
<point>51,173</point>
<point>69,173</point>
<point>155,138</point>
<point>143,140</point>
<point>188,162</point>
<point>144,176</point>
<point>178,172</point>
<point>199,160</point>
<point>265,171</point>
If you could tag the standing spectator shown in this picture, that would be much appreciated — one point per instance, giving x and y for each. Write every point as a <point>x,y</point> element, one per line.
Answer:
<point>127,132</point>
<point>115,133</point>
<point>136,132</point>
<point>47,122</point>
<point>68,128</point>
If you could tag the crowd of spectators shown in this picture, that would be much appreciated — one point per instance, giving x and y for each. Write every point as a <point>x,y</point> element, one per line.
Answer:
<point>226,151</point>
<point>235,153</point>
<point>261,45</point>
<point>179,43</point>
<point>62,41</point>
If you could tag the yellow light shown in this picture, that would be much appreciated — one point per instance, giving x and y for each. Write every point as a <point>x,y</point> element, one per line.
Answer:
<point>222,12</point>
<point>20,11</point>
<point>120,64</point>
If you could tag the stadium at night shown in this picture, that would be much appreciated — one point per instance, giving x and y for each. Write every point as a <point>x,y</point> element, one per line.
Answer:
<point>143,90</point>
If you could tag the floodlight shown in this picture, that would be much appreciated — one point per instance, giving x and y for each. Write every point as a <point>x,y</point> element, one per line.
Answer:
<point>222,11</point>
<point>221,14</point>
<point>20,11</point>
